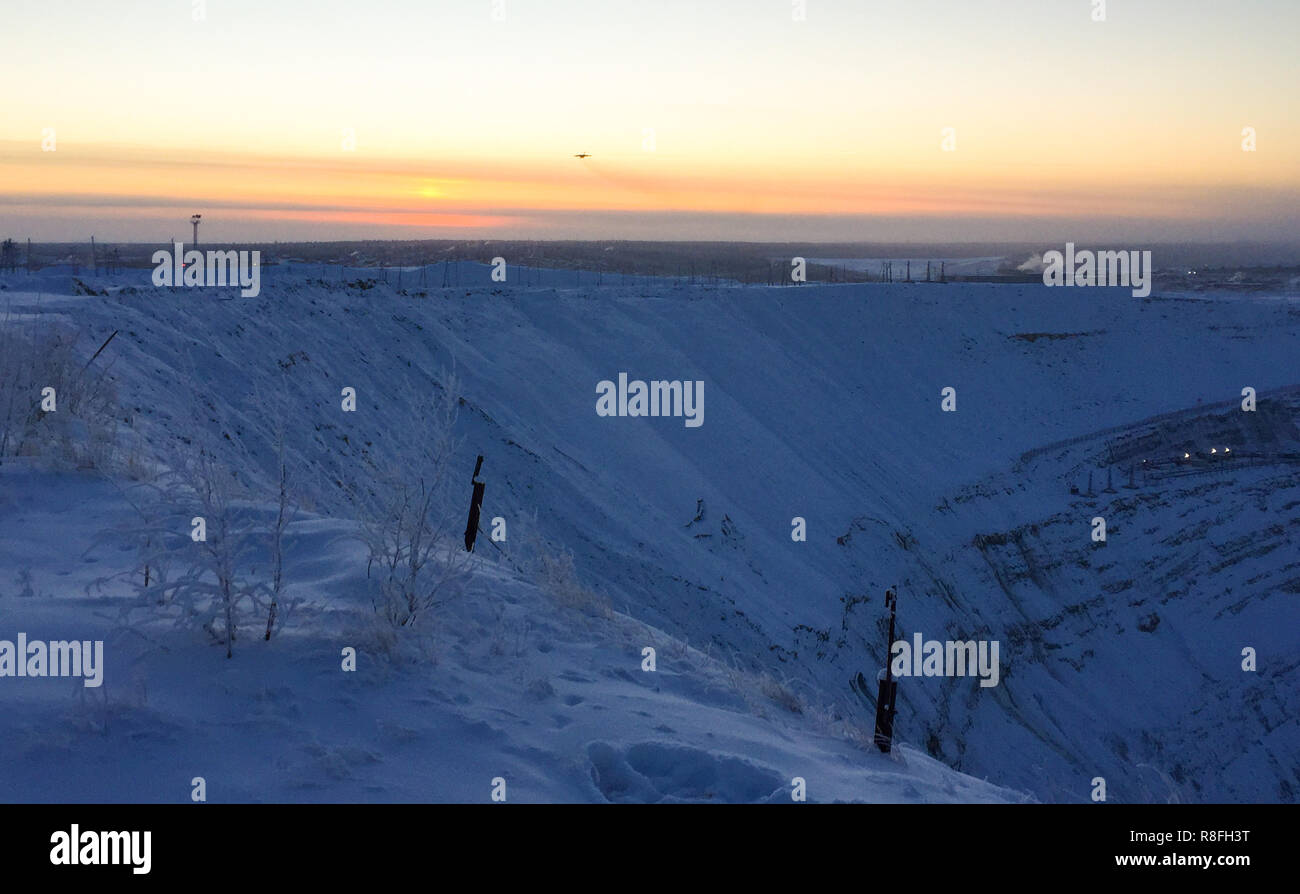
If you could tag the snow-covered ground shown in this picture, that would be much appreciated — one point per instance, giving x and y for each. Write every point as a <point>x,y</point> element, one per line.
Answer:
<point>823,402</point>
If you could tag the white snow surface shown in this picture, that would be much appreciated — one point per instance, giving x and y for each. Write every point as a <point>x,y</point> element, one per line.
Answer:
<point>1120,661</point>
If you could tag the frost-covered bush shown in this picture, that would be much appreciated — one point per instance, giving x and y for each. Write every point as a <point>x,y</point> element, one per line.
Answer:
<point>80,429</point>
<point>553,571</point>
<point>205,522</point>
<point>415,558</point>
<point>197,536</point>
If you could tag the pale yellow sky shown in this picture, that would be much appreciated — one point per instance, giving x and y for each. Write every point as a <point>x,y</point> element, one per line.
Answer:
<point>440,119</point>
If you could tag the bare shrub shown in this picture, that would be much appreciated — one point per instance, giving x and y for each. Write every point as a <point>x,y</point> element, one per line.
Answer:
<point>856,728</point>
<point>207,581</point>
<point>776,691</point>
<point>34,356</point>
<point>415,560</point>
<point>554,573</point>
<point>203,580</point>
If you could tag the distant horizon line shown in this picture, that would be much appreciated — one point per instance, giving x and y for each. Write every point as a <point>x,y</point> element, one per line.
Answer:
<point>1280,243</point>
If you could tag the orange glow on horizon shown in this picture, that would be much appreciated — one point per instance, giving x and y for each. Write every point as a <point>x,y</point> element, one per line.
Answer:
<point>481,193</point>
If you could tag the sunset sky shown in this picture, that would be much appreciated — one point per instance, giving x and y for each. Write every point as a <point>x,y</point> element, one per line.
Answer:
<point>760,127</point>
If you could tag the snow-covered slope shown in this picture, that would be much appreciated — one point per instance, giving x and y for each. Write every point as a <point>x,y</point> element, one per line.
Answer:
<point>821,402</point>
<point>507,685</point>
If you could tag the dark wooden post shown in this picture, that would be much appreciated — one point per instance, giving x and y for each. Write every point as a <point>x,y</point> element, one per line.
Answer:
<point>887,694</point>
<point>476,502</point>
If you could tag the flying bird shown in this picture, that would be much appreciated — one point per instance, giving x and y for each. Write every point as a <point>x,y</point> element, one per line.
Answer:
<point>583,155</point>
